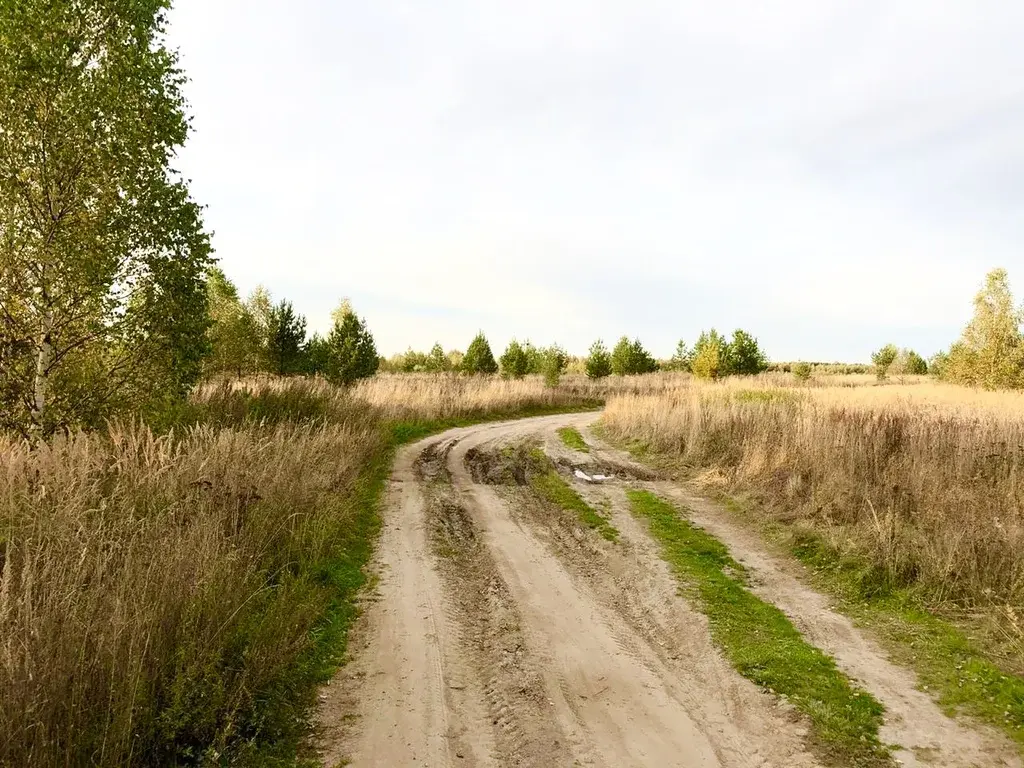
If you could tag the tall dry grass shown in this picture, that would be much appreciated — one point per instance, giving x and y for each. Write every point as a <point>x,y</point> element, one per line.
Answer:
<point>161,596</point>
<point>926,482</point>
<point>172,597</point>
<point>451,396</point>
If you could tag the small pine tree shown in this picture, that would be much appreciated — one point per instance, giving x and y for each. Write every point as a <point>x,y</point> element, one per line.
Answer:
<point>514,361</point>
<point>478,358</point>
<point>630,358</point>
<point>316,355</point>
<point>883,360</point>
<point>286,335</point>
<point>682,358</point>
<point>599,363</point>
<point>437,360</point>
<point>352,353</point>
<point>553,363</point>
<point>745,357</point>
<point>802,371</point>
<point>911,363</point>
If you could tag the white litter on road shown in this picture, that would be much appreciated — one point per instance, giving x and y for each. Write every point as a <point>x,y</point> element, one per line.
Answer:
<point>591,478</point>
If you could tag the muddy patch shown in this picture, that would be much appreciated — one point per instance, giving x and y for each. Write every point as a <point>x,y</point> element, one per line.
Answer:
<point>514,464</point>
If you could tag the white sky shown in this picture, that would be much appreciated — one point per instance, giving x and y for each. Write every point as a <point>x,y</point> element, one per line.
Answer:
<point>829,176</point>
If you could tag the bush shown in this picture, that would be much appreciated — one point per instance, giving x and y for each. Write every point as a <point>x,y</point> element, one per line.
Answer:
<point>802,371</point>
<point>599,363</point>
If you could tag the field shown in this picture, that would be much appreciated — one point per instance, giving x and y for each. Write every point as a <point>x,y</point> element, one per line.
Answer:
<point>176,593</point>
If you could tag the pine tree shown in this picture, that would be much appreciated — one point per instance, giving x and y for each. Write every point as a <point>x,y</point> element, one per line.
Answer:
<point>352,352</point>
<point>599,363</point>
<point>478,358</point>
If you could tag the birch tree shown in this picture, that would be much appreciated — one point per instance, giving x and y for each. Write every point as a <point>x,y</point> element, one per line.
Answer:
<point>102,250</point>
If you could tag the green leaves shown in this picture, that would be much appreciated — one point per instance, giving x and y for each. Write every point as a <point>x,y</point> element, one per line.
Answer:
<point>103,253</point>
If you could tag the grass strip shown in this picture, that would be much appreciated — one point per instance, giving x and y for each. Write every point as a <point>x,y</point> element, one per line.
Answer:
<point>554,489</point>
<point>945,659</point>
<point>572,438</point>
<point>762,643</point>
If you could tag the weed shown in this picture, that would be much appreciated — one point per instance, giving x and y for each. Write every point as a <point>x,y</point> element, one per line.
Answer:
<point>554,489</point>
<point>572,439</point>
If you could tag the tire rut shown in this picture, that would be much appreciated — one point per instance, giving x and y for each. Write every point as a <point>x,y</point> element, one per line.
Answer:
<point>489,628</point>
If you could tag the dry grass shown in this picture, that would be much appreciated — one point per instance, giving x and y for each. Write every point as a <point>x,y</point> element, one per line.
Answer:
<point>157,593</point>
<point>925,481</point>
<point>450,396</point>
<point>173,597</point>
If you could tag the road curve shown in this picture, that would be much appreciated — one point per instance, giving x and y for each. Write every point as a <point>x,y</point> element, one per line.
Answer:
<point>500,636</point>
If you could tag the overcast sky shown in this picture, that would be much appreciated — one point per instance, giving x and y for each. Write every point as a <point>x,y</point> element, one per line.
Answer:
<point>827,175</point>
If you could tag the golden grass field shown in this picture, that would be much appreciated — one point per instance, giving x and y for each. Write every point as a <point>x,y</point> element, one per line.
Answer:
<point>921,479</point>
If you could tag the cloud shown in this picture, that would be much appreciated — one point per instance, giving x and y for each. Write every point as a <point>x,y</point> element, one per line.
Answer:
<point>828,175</point>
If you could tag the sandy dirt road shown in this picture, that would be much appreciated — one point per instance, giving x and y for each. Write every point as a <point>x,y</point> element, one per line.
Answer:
<point>500,637</point>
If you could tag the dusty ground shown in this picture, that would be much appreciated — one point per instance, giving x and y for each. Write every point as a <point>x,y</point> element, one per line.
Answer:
<point>501,636</point>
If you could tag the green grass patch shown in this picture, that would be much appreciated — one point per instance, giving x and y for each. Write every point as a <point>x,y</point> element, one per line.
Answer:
<point>945,659</point>
<point>762,643</point>
<point>572,438</point>
<point>554,489</point>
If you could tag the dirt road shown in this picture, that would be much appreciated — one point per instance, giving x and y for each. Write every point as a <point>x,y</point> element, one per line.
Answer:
<point>497,637</point>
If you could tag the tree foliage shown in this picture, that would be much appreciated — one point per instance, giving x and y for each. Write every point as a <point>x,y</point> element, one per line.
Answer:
<point>883,359</point>
<point>682,358</point>
<point>233,336</point>
<point>478,358</point>
<point>437,361</point>
<point>630,358</point>
<point>351,350</point>
<point>286,337</point>
<point>990,352</point>
<point>710,355</point>
<point>103,254</point>
<point>515,363</point>
<point>745,357</point>
<point>599,363</point>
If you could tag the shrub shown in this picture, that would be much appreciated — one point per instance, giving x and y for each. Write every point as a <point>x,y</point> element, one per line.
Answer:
<point>802,371</point>
<point>478,357</point>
